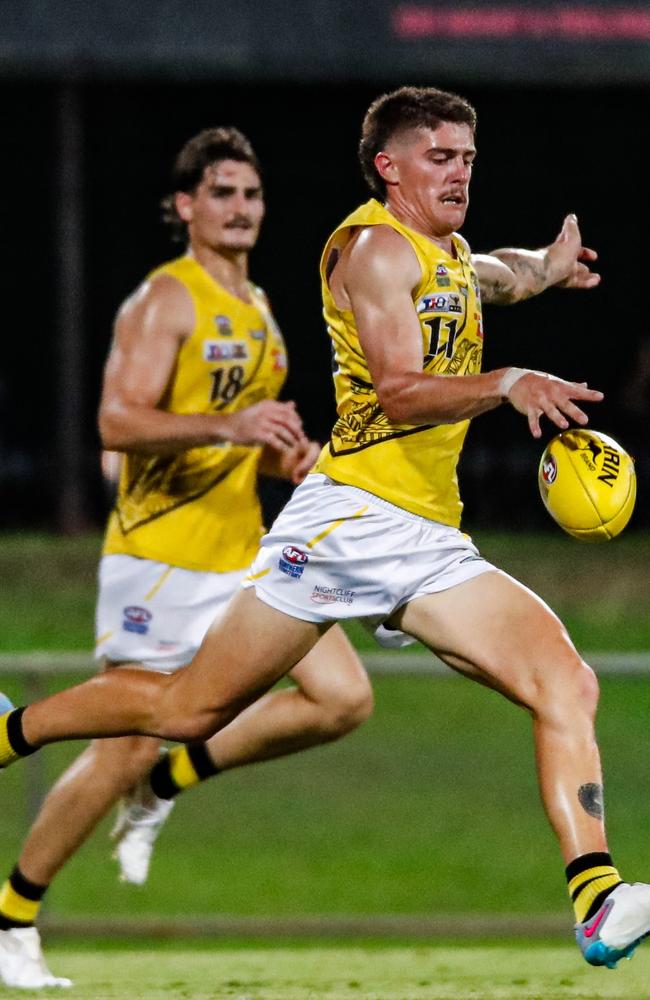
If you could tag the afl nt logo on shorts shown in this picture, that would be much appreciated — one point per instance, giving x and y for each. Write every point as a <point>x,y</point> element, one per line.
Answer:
<point>293,561</point>
<point>549,470</point>
<point>136,620</point>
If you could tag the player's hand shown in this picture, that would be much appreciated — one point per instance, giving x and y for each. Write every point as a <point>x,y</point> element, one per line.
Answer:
<point>537,394</point>
<point>304,459</point>
<point>570,260</point>
<point>269,422</point>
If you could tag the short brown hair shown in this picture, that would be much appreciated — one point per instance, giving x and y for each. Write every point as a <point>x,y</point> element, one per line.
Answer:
<point>210,146</point>
<point>403,109</point>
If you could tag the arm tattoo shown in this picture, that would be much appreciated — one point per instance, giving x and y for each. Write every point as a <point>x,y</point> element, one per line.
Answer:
<point>529,275</point>
<point>496,292</point>
<point>590,797</point>
<point>533,271</point>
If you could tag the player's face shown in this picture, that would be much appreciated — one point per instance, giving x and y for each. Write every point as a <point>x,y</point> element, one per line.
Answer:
<point>429,173</point>
<point>226,209</point>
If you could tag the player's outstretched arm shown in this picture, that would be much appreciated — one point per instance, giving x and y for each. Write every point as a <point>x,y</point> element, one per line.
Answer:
<point>510,275</point>
<point>150,329</point>
<point>379,272</point>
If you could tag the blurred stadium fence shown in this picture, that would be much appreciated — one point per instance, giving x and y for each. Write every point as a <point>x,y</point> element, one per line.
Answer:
<point>35,665</point>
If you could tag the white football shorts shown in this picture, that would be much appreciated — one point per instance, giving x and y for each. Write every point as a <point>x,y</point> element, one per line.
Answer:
<point>151,613</point>
<point>338,552</point>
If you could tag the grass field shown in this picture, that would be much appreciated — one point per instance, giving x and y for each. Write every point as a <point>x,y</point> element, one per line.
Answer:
<point>515,971</point>
<point>430,810</point>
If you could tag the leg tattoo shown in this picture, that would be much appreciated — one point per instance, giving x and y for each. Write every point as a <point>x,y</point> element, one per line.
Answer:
<point>591,799</point>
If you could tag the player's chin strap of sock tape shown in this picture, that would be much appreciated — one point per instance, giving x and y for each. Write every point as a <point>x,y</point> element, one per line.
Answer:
<point>508,379</point>
<point>12,741</point>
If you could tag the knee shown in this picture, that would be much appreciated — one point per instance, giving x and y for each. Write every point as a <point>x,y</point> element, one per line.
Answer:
<point>346,708</point>
<point>129,756</point>
<point>191,724</point>
<point>568,692</point>
<point>587,688</point>
<point>143,753</point>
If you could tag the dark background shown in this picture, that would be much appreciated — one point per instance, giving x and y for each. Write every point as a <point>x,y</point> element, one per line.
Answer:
<point>545,148</point>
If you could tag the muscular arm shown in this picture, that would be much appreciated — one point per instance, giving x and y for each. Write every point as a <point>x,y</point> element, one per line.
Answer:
<point>150,329</point>
<point>379,272</point>
<point>510,275</point>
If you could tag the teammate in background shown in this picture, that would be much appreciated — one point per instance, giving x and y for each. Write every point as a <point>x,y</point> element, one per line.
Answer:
<point>190,396</point>
<point>376,525</point>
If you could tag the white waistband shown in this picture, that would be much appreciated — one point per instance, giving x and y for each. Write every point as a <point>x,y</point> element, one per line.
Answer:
<point>380,502</point>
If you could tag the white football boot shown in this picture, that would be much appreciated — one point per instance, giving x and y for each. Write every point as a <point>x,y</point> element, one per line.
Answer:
<point>22,963</point>
<point>139,821</point>
<point>615,930</point>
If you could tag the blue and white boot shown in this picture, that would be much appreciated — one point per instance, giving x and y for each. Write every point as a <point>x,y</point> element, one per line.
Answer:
<point>6,705</point>
<point>614,931</point>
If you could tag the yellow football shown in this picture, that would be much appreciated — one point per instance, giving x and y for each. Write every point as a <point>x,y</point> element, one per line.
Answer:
<point>588,484</point>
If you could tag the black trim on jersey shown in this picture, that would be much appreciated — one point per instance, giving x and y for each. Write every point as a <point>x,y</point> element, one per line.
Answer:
<point>389,437</point>
<point>360,382</point>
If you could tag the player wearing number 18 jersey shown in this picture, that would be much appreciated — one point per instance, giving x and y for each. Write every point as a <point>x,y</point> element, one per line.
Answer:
<point>198,508</point>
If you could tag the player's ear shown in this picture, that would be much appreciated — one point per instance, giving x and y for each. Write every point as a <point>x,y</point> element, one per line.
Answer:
<point>386,167</point>
<point>183,205</point>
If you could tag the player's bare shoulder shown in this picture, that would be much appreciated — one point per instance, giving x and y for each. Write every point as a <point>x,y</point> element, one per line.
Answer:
<point>160,303</point>
<point>376,255</point>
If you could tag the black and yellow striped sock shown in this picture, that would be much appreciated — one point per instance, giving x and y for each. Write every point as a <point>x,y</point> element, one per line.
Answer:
<point>181,768</point>
<point>591,878</point>
<point>13,744</point>
<point>20,901</point>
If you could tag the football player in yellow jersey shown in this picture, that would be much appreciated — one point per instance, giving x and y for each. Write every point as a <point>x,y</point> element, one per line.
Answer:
<point>189,397</point>
<point>373,531</point>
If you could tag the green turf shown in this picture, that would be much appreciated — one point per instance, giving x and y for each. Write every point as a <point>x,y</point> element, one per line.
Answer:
<point>49,599</point>
<point>420,972</point>
<point>430,808</point>
<point>600,591</point>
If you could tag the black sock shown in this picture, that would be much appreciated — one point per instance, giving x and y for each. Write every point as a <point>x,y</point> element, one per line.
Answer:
<point>591,878</point>
<point>20,901</point>
<point>13,744</point>
<point>183,767</point>
<point>15,734</point>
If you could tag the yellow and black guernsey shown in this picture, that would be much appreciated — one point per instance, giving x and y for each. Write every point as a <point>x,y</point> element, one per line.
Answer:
<point>411,466</point>
<point>198,509</point>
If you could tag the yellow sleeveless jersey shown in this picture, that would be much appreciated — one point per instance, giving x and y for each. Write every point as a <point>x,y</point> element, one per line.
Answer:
<point>411,466</point>
<point>199,509</point>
